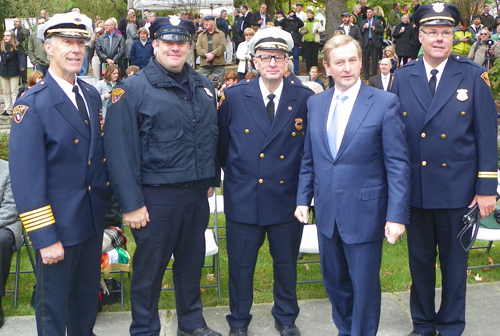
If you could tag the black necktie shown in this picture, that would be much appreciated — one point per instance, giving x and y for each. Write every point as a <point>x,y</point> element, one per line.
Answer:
<point>432,81</point>
<point>270,107</point>
<point>81,105</point>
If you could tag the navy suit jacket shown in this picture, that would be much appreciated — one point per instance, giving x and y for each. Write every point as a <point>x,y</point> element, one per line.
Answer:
<point>376,82</point>
<point>261,160</point>
<point>368,183</point>
<point>452,137</point>
<point>56,159</point>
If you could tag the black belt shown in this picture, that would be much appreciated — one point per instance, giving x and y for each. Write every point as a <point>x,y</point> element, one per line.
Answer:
<point>182,185</point>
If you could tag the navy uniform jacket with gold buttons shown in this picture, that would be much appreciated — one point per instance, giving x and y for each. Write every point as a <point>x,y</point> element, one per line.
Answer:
<point>57,166</point>
<point>452,137</point>
<point>261,161</point>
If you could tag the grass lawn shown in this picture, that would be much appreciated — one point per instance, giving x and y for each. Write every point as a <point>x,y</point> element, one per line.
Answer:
<point>394,274</point>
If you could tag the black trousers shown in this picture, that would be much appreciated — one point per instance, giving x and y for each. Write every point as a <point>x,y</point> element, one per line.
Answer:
<point>243,244</point>
<point>178,220</point>
<point>370,52</point>
<point>311,50</point>
<point>7,243</point>
<point>430,231</point>
<point>67,292</point>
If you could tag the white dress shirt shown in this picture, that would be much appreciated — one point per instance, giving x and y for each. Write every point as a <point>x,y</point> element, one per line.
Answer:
<point>265,92</point>
<point>68,90</point>
<point>385,81</point>
<point>352,94</point>
<point>439,68</point>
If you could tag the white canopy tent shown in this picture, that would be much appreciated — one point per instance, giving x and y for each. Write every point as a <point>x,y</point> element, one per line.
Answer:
<point>190,5</point>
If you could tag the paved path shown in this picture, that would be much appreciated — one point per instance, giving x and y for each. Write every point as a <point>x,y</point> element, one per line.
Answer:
<point>483,311</point>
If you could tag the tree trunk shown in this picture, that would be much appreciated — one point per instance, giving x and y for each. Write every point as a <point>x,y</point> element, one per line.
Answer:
<point>271,8</point>
<point>334,10</point>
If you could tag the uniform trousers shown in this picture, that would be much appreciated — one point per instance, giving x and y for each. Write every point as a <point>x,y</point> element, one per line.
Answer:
<point>351,273</point>
<point>243,244</point>
<point>67,292</point>
<point>7,243</point>
<point>178,220</point>
<point>430,231</point>
<point>370,52</point>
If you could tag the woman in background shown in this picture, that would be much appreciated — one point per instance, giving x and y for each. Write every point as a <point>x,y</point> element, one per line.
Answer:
<point>131,36</point>
<point>142,49</point>
<point>243,54</point>
<point>12,62</point>
<point>34,77</point>
<point>106,85</point>
<point>96,62</point>
<point>390,53</point>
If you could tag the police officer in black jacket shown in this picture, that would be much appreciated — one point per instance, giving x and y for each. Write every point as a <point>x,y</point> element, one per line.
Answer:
<point>161,137</point>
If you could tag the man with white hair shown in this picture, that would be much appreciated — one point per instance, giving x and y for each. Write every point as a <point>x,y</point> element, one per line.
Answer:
<point>110,46</point>
<point>59,181</point>
<point>262,124</point>
<point>384,80</point>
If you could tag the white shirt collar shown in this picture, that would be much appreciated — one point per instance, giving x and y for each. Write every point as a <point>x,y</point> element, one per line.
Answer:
<point>68,89</point>
<point>351,93</point>
<point>439,68</point>
<point>265,92</point>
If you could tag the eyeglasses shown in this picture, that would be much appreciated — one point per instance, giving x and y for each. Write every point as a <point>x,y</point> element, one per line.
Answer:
<point>484,34</point>
<point>435,34</point>
<point>248,34</point>
<point>267,58</point>
<point>6,35</point>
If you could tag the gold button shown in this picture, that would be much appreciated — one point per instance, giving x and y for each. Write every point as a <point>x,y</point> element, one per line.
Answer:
<point>424,163</point>
<point>90,162</point>
<point>405,114</point>
<point>261,155</point>
<point>423,135</point>
<point>462,113</point>
<point>104,160</point>
<point>102,134</point>
<point>282,182</point>
<point>444,165</point>
<point>443,136</point>
<point>261,181</point>
<point>247,131</point>
<point>294,134</point>
<point>282,157</point>
<point>77,141</point>
<point>90,188</point>
<point>107,184</point>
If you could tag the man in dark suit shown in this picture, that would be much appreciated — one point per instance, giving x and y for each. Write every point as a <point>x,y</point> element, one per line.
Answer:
<point>371,44</point>
<point>262,124</point>
<point>22,34</point>
<point>348,28</point>
<point>384,80</point>
<point>260,18</point>
<point>59,181</point>
<point>451,130</point>
<point>356,167</point>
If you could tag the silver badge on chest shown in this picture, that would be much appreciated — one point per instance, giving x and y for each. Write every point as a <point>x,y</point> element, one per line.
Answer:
<point>462,95</point>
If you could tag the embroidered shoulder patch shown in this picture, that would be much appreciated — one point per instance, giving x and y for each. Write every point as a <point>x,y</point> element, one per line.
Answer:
<point>116,94</point>
<point>486,79</point>
<point>221,100</point>
<point>19,112</point>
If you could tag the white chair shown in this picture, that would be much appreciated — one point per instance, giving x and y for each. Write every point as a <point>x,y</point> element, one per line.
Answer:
<point>489,231</point>
<point>309,245</point>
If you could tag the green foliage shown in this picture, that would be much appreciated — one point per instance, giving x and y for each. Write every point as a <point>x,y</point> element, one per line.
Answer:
<point>4,146</point>
<point>494,75</point>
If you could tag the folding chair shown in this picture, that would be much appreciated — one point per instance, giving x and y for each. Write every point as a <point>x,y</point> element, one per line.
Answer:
<point>489,230</point>
<point>18,271</point>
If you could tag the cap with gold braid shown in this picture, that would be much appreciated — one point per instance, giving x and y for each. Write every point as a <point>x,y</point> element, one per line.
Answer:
<point>271,38</point>
<point>37,219</point>
<point>437,14</point>
<point>71,25</point>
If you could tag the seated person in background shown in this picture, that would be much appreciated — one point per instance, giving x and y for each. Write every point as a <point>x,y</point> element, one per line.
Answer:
<point>250,75</point>
<point>496,36</point>
<point>313,77</point>
<point>230,78</point>
<point>384,80</point>
<point>390,53</point>
<point>132,70</point>
<point>34,77</point>
<point>10,230</point>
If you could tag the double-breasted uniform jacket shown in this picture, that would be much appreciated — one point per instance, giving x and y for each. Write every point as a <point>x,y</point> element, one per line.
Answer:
<point>261,160</point>
<point>452,138</point>
<point>57,165</point>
